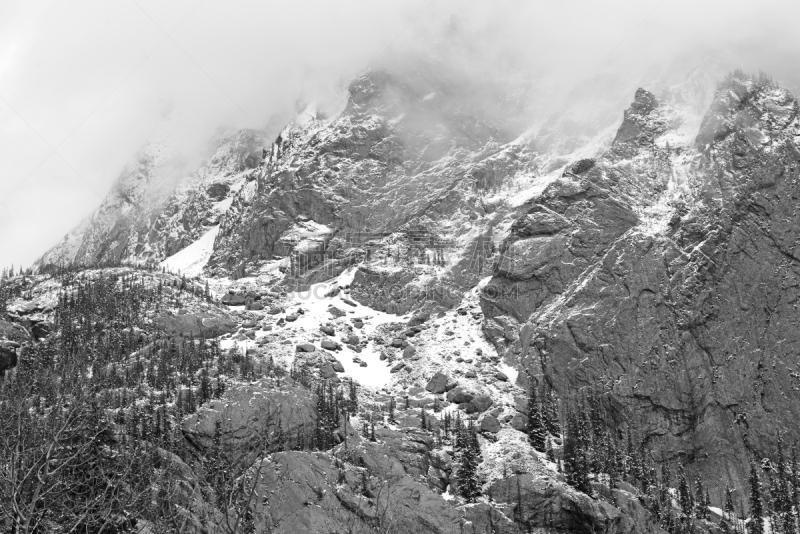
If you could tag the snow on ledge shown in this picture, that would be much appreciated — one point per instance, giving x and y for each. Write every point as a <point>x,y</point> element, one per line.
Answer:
<point>191,260</point>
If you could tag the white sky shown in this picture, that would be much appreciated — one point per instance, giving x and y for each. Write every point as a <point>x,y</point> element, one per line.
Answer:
<point>83,83</point>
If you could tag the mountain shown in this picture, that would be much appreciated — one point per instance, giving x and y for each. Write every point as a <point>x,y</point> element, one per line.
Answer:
<point>432,244</point>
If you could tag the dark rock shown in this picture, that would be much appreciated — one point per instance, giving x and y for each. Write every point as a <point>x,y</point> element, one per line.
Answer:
<point>327,371</point>
<point>218,191</point>
<point>490,424</point>
<point>409,352</point>
<point>336,312</point>
<point>329,344</point>
<point>8,356</point>
<point>306,347</point>
<point>479,404</point>
<point>41,329</point>
<point>397,367</point>
<point>397,342</point>
<point>338,367</point>
<point>459,395</point>
<point>325,329</point>
<point>234,299</point>
<point>437,384</point>
<point>470,374</point>
<point>418,319</point>
<point>501,376</point>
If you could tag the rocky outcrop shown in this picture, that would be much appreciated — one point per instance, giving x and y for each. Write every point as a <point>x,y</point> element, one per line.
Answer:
<point>548,503</point>
<point>687,318</point>
<point>254,416</point>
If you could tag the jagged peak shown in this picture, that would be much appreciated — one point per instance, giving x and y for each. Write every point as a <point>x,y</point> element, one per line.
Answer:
<point>744,101</point>
<point>642,122</point>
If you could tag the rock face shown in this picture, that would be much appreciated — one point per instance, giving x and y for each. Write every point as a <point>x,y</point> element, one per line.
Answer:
<point>662,273</point>
<point>251,419</point>
<point>438,383</point>
<point>152,211</point>
<point>688,314</point>
<point>547,503</point>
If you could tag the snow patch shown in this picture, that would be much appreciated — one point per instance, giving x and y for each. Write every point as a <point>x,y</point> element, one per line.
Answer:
<point>192,259</point>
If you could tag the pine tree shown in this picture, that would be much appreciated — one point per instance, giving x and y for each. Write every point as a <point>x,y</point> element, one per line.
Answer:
<point>576,465</point>
<point>550,409</point>
<point>684,493</point>
<point>701,508</point>
<point>756,524</point>
<point>780,490</point>
<point>729,519</point>
<point>467,481</point>
<point>536,430</point>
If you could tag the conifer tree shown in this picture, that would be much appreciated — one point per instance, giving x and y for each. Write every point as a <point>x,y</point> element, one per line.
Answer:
<point>684,493</point>
<point>756,523</point>
<point>701,507</point>
<point>550,409</point>
<point>536,430</point>
<point>469,456</point>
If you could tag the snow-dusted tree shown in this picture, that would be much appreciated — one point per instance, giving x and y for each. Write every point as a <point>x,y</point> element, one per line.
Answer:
<point>537,433</point>
<point>684,494</point>
<point>756,523</point>
<point>467,480</point>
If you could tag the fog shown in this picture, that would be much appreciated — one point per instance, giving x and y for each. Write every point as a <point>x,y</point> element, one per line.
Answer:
<point>84,84</point>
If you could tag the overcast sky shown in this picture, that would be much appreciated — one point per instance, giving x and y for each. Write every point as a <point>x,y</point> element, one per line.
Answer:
<point>84,83</point>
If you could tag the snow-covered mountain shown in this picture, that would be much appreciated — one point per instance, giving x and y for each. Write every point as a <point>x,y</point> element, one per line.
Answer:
<point>423,239</point>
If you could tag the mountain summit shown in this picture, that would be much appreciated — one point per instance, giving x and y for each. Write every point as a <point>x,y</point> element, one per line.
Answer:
<point>483,325</point>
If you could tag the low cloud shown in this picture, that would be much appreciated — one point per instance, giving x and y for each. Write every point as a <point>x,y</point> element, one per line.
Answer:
<point>95,79</point>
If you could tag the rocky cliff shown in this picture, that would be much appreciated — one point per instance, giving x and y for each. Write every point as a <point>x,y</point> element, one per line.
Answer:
<point>417,238</point>
<point>673,300</point>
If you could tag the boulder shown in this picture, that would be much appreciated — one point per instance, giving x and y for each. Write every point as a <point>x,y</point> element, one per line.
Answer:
<point>409,352</point>
<point>418,319</point>
<point>479,404</point>
<point>306,347</point>
<point>459,395</point>
<point>437,384</point>
<point>338,367</point>
<point>8,356</point>
<point>234,299</point>
<point>218,191</point>
<point>490,424</point>
<point>327,371</point>
<point>327,329</point>
<point>336,312</point>
<point>329,344</point>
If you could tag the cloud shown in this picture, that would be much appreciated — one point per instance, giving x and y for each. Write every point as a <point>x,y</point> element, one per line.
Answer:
<point>95,78</point>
